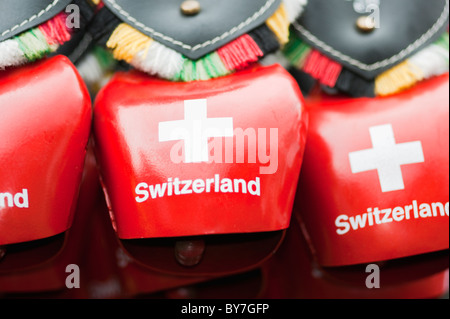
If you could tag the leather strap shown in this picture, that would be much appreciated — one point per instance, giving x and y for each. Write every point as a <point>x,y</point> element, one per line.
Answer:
<point>18,16</point>
<point>406,26</point>
<point>218,22</point>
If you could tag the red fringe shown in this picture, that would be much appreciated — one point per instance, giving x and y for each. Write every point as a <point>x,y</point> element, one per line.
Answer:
<point>322,68</point>
<point>55,30</point>
<point>240,53</point>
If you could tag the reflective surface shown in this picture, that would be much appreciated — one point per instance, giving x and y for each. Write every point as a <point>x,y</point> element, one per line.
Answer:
<point>348,215</point>
<point>248,184</point>
<point>44,127</point>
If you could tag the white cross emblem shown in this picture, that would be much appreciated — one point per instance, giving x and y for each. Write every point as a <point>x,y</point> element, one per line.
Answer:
<point>195,130</point>
<point>386,157</point>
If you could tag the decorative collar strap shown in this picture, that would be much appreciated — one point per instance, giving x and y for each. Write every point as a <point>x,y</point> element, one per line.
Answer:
<point>376,47</point>
<point>19,16</point>
<point>161,39</point>
<point>30,30</point>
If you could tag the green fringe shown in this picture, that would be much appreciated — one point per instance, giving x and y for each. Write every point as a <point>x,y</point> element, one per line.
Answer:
<point>296,50</point>
<point>104,57</point>
<point>208,67</point>
<point>443,41</point>
<point>33,44</point>
<point>215,66</point>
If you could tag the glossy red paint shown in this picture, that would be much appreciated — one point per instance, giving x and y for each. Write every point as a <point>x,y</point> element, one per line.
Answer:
<point>44,127</point>
<point>127,115</point>
<point>328,189</point>
<point>294,273</point>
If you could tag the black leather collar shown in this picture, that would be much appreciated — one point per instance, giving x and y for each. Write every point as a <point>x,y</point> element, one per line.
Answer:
<point>17,16</point>
<point>219,22</point>
<point>406,26</point>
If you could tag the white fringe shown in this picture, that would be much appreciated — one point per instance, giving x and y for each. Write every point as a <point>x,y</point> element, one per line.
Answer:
<point>159,60</point>
<point>276,58</point>
<point>294,8</point>
<point>432,61</point>
<point>10,54</point>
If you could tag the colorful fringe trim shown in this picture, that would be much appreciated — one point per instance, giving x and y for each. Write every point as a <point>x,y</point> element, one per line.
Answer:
<point>96,67</point>
<point>430,61</point>
<point>35,43</point>
<point>145,54</point>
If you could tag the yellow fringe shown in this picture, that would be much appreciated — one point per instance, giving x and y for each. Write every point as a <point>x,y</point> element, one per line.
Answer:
<point>96,2</point>
<point>279,24</point>
<point>126,42</point>
<point>397,79</point>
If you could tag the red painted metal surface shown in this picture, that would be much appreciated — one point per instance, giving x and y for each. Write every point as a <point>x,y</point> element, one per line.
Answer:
<point>263,102</point>
<point>348,216</point>
<point>44,124</point>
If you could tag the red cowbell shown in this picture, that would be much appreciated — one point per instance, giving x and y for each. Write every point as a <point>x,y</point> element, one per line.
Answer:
<point>215,161</point>
<point>45,124</point>
<point>375,177</point>
<point>372,194</point>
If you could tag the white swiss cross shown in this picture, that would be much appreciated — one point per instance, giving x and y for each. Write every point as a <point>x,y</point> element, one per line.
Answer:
<point>386,157</point>
<point>195,130</point>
